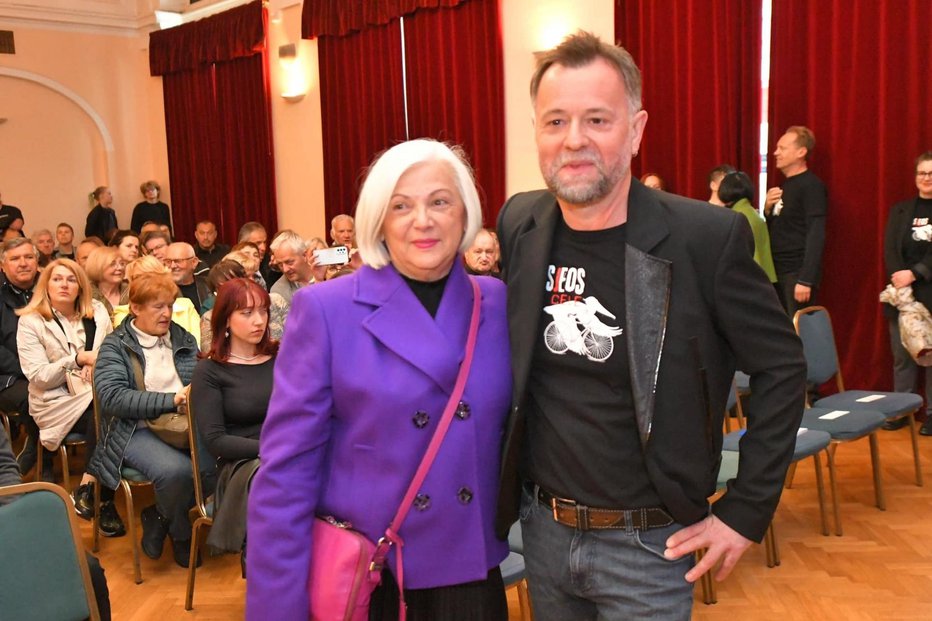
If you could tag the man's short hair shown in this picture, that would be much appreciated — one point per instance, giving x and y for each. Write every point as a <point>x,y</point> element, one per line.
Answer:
<point>150,235</point>
<point>93,239</point>
<point>248,229</point>
<point>341,216</point>
<point>14,243</point>
<point>381,179</point>
<point>924,157</point>
<point>287,237</point>
<point>804,137</point>
<point>42,232</point>
<point>582,48</point>
<point>720,171</point>
<point>66,226</point>
<point>210,222</point>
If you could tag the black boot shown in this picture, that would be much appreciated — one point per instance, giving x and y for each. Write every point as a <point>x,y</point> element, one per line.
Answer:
<point>27,457</point>
<point>83,497</point>
<point>110,523</point>
<point>182,551</point>
<point>154,531</point>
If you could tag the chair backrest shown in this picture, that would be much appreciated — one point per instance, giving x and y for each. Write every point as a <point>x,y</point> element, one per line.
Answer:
<point>44,571</point>
<point>194,441</point>
<point>814,327</point>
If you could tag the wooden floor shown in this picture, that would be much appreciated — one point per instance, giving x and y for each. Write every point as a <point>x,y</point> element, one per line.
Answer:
<point>880,569</point>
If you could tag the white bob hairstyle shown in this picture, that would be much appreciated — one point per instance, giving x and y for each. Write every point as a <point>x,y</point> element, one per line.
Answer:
<point>380,183</point>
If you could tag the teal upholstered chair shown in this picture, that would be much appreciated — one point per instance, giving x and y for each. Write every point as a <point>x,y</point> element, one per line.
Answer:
<point>43,568</point>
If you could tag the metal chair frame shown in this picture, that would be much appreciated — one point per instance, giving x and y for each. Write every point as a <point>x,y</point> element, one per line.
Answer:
<point>204,518</point>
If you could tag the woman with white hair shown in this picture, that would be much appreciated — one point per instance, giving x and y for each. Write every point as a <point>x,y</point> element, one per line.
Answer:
<point>366,370</point>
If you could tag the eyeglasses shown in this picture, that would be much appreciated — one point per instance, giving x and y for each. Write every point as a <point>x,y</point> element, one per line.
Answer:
<point>177,261</point>
<point>926,174</point>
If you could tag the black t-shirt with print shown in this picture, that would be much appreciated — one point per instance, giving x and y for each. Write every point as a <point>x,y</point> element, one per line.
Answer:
<point>582,439</point>
<point>916,240</point>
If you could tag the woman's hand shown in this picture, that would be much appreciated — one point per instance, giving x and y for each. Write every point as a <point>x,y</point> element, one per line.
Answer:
<point>86,358</point>
<point>902,278</point>
<point>181,397</point>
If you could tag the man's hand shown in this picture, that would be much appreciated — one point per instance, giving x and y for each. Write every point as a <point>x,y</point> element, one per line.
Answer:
<point>721,540</point>
<point>902,278</point>
<point>773,197</point>
<point>802,293</point>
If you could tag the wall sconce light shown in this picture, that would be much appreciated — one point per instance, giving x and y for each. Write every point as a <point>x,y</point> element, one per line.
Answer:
<point>294,80</point>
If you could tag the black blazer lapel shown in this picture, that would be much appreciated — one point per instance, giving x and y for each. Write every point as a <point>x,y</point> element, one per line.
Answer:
<point>648,280</point>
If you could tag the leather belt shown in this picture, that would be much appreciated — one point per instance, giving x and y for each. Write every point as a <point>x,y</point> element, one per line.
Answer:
<point>571,513</point>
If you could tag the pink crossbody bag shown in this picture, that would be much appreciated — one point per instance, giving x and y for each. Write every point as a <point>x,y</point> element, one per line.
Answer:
<point>345,566</point>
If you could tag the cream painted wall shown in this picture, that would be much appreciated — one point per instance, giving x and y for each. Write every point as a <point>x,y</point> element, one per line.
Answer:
<point>60,156</point>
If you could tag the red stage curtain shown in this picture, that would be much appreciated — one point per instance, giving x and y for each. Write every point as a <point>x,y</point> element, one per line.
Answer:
<point>341,17</point>
<point>857,74</point>
<point>362,108</point>
<point>701,66</point>
<point>218,121</point>
<point>232,34</point>
<point>456,89</point>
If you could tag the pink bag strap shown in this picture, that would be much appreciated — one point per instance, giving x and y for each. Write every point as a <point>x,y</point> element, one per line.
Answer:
<point>391,533</point>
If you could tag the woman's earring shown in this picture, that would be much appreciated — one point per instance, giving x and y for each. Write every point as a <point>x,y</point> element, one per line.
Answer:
<point>227,333</point>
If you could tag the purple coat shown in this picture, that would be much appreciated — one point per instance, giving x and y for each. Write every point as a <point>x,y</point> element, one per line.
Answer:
<point>361,381</point>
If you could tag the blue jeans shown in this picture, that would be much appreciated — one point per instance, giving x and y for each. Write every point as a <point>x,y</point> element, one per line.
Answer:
<point>171,474</point>
<point>601,574</point>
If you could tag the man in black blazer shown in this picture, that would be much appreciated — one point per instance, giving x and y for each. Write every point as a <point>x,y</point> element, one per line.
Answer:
<point>629,309</point>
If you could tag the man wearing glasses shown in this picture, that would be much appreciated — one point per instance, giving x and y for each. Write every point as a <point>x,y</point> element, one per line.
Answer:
<point>907,257</point>
<point>796,217</point>
<point>181,260</point>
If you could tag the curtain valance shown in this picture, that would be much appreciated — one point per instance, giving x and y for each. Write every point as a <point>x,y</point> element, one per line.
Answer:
<point>341,17</point>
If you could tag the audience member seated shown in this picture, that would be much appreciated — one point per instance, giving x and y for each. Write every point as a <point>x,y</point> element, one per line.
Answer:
<point>64,234</point>
<point>164,354</point>
<point>480,257</point>
<point>247,254</point>
<point>230,395</point>
<point>290,252</point>
<point>181,260</point>
<point>653,181</point>
<point>60,332</point>
<point>85,248</point>
<point>106,269</point>
<point>183,311</point>
<point>207,248</point>
<point>737,192</point>
<point>11,218</point>
<point>18,257</point>
<point>343,231</point>
<point>102,220</point>
<point>10,475</point>
<point>42,239</point>
<point>127,242</point>
<point>715,179</point>
<point>255,233</point>
<point>220,273</point>
<point>151,209</point>
<point>155,243</point>
<point>150,226</point>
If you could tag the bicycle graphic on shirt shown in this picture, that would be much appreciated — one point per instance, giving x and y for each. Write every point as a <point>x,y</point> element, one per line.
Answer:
<point>576,328</point>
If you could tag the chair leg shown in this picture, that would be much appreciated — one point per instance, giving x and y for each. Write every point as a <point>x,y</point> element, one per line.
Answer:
<point>727,422</point>
<point>95,520</point>
<point>770,546</point>
<point>820,488</point>
<point>830,451</point>
<point>878,479</point>
<point>790,474</point>
<point>706,582</point>
<point>63,453</point>
<point>914,436</point>
<point>192,562</point>
<point>524,602</point>
<point>39,460</point>
<point>131,520</point>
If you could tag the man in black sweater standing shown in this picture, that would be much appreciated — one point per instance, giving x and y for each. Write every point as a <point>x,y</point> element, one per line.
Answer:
<point>796,216</point>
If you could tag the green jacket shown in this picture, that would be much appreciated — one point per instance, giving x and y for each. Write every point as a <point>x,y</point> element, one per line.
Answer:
<point>762,254</point>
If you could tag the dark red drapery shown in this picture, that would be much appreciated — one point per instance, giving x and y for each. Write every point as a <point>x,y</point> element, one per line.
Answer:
<point>700,62</point>
<point>218,120</point>
<point>857,74</point>
<point>340,17</point>
<point>456,89</point>
<point>361,106</point>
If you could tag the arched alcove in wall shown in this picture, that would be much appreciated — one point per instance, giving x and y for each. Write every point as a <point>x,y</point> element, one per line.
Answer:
<point>55,149</point>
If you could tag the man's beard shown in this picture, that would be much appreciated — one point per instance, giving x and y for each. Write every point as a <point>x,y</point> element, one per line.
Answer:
<point>585,193</point>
